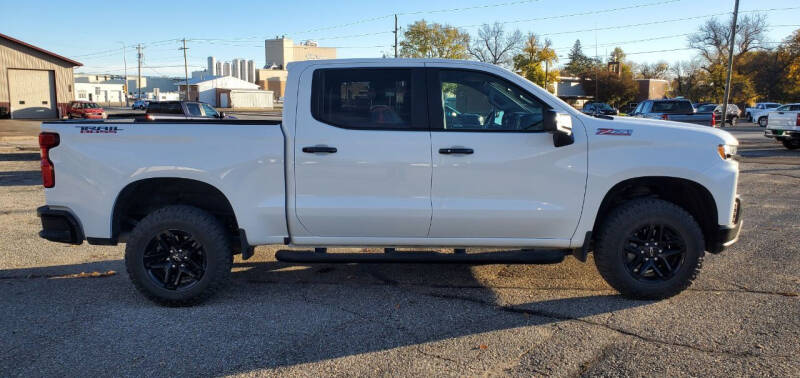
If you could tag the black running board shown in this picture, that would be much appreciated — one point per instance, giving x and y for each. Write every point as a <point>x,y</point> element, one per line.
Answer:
<point>525,256</point>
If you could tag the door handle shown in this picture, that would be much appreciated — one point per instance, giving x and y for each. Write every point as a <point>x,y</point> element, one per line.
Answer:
<point>319,149</point>
<point>456,150</point>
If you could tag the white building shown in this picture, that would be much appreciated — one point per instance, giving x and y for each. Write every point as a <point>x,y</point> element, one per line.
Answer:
<point>229,92</point>
<point>108,94</point>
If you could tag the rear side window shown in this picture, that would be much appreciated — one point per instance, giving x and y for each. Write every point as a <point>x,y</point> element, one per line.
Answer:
<point>194,110</point>
<point>672,106</point>
<point>165,108</point>
<point>368,98</point>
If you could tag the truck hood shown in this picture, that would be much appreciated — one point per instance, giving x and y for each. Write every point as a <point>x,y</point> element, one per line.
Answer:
<point>671,129</point>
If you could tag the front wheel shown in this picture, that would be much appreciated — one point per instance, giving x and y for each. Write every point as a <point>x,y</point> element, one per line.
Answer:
<point>179,256</point>
<point>649,249</point>
<point>762,121</point>
<point>791,144</point>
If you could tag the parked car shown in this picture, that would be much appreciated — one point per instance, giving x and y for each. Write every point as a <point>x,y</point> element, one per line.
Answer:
<point>648,199</point>
<point>592,108</point>
<point>731,116</point>
<point>174,110</point>
<point>783,124</point>
<point>85,109</point>
<point>140,104</point>
<point>759,112</point>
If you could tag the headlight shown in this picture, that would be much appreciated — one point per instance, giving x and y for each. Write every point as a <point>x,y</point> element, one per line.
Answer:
<point>726,151</point>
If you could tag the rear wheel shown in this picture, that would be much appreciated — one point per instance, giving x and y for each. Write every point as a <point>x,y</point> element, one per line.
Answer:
<point>733,120</point>
<point>762,121</point>
<point>791,144</point>
<point>179,256</point>
<point>649,249</point>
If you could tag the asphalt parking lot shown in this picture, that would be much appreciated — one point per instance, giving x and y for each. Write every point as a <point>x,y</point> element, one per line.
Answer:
<point>70,310</point>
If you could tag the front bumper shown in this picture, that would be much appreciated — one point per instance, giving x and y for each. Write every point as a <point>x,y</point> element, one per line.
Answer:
<point>728,235</point>
<point>781,134</point>
<point>59,226</point>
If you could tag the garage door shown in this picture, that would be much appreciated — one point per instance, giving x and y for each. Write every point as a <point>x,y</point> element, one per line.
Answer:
<point>32,93</point>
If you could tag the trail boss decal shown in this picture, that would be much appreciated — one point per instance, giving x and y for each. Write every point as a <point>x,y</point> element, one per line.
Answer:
<point>616,132</point>
<point>99,129</point>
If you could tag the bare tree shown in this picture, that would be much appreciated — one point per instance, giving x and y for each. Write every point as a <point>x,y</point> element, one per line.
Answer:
<point>657,70</point>
<point>494,46</point>
<point>711,40</point>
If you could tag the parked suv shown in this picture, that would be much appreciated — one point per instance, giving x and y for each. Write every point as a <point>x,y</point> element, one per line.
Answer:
<point>662,109</point>
<point>173,110</point>
<point>140,104</point>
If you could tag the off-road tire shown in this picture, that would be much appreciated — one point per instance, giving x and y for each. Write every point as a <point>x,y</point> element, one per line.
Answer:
<point>791,144</point>
<point>609,255</point>
<point>206,229</point>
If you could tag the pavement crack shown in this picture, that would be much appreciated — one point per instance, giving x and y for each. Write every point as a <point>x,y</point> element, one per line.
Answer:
<point>94,274</point>
<point>562,317</point>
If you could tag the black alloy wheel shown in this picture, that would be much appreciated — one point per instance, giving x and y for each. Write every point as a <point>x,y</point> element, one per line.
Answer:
<point>174,260</point>
<point>654,253</point>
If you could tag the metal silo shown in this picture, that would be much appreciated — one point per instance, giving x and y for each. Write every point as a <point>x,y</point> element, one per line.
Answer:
<point>226,69</point>
<point>212,66</point>
<point>235,68</point>
<point>251,71</point>
<point>243,69</point>
<point>220,71</point>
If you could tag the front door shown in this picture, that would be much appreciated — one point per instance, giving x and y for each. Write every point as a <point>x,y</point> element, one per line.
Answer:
<point>362,153</point>
<point>496,172</point>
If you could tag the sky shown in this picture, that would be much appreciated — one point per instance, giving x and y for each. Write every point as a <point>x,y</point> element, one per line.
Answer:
<point>94,32</point>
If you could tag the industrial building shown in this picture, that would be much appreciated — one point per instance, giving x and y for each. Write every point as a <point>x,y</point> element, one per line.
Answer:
<point>279,52</point>
<point>107,94</point>
<point>34,82</point>
<point>229,92</point>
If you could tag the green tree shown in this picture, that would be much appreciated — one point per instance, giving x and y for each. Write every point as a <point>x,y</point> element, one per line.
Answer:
<point>536,62</point>
<point>424,40</point>
<point>579,63</point>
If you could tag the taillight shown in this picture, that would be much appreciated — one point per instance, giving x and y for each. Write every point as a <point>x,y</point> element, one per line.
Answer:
<point>149,117</point>
<point>665,117</point>
<point>713,120</point>
<point>46,142</point>
<point>797,122</point>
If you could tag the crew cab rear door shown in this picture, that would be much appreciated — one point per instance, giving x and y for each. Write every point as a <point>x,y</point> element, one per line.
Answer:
<point>362,152</point>
<point>497,173</point>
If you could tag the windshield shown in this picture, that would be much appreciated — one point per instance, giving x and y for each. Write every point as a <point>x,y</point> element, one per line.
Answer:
<point>672,106</point>
<point>772,106</point>
<point>706,108</point>
<point>91,105</point>
<point>783,108</point>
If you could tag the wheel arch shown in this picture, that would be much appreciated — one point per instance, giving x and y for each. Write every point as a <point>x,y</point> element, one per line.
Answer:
<point>688,194</point>
<point>141,197</point>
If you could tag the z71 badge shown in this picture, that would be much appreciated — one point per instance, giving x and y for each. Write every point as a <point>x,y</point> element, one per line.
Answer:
<point>99,129</point>
<point>616,132</point>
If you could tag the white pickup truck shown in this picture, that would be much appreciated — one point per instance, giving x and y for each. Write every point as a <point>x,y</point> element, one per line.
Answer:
<point>758,113</point>
<point>396,153</point>
<point>784,125</point>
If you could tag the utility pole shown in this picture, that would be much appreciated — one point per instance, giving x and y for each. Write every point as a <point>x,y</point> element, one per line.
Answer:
<point>125,63</point>
<point>185,69</point>
<point>546,67</point>
<point>139,56</point>
<point>395,36</point>
<point>731,41</point>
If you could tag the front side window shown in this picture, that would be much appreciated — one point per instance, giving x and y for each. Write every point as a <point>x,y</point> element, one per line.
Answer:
<point>194,110</point>
<point>210,112</point>
<point>365,98</point>
<point>475,101</point>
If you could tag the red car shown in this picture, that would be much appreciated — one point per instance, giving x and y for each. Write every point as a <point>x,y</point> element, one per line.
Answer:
<point>85,109</point>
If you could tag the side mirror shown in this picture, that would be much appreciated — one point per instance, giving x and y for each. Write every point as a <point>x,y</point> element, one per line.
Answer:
<point>560,125</point>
